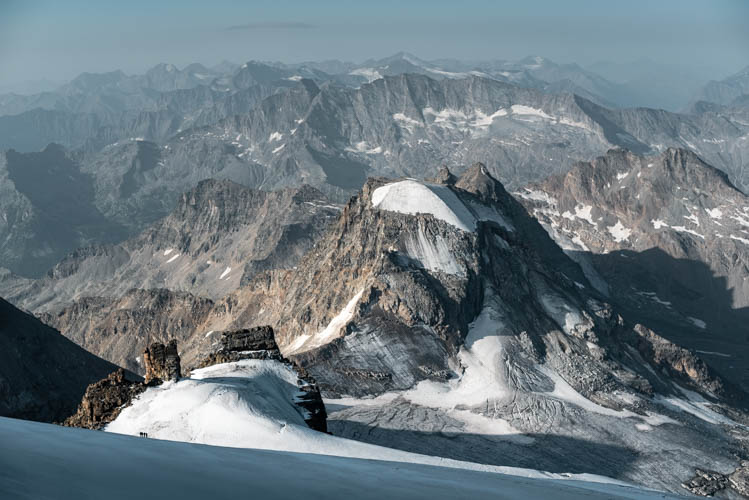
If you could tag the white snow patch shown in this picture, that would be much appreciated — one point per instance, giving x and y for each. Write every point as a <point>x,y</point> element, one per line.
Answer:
<point>209,333</point>
<point>621,176</point>
<point>714,213</point>
<point>330,333</point>
<point>572,123</point>
<point>714,353</point>
<point>739,238</point>
<point>619,232</point>
<point>693,218</point>
<point>652,296</point>
<point>279,148</point>
<point>565,392</point>
<point>483,359</point>
<point>566,316</point>
<point>581,212</point>
<point>364,147</point>
<point>530,194</point>
<point>657,223</point>
<point>414,197</point>
<point>168,251</point>
<point>459,120</point>
<point>226,271</point>
<point>683,229</point>
<point>697,322</point>
<point>275,136</point>
<point>519,109</point>
<point>485,213</point>
<point>370,74</point>
<point>696,405</point>
<point>172,259</point>
<point>433,254</point>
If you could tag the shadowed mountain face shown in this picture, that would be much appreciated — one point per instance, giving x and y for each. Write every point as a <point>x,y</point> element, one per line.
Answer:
<point>667,238</point>
<point>43,375</point>
<point>49,208</point>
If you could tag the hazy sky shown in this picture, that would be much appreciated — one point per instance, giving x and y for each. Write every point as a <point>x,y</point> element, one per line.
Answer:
<point>58,39</point>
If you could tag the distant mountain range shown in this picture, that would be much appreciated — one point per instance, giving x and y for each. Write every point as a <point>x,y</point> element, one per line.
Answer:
<point>328,135</point>
<point>94,110</point>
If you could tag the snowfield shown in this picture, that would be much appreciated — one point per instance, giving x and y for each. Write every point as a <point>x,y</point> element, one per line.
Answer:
<point>412,197</point>
<point>249,404</point>
<point>48,461</point>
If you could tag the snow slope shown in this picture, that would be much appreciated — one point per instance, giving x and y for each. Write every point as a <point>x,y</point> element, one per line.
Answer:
<point>413,197</point>
<point>47,461</point>
<point>249,404</point>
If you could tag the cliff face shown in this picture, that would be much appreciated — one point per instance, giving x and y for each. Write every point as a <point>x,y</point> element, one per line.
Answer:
<point>665,238</point>
<point>121,329</point>
<point>42,374</point>
<point>104,400</point>
<point>162,362</point>
<point>218,236</point>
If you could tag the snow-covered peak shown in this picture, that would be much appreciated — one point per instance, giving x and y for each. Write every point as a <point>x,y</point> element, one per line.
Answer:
<point>253,399</point>
<point>414,197</point>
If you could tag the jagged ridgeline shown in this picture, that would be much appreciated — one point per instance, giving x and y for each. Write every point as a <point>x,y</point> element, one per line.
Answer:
<point>328,135</point>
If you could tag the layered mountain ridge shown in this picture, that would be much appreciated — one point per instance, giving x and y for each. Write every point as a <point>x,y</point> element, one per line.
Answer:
<point>333,137</point>
<point>667,237</point>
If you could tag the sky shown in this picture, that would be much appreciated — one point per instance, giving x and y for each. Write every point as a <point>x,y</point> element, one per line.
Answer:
<point>57,40</point>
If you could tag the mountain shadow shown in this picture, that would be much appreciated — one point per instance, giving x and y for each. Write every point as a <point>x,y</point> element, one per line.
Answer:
<point>685,302</point>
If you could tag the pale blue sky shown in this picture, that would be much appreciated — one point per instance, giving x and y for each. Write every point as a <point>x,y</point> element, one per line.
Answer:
<point>58,39</point>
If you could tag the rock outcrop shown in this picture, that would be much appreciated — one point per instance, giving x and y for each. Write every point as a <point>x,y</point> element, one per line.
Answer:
<point>260,343</point>
<point>104,400</point>
<point>707,483</point>
<point>162,362</point>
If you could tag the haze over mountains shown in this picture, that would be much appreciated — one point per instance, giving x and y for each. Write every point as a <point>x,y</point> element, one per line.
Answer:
<point>94,110</point>
<point>270,126</point>
<point>502,264</point>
